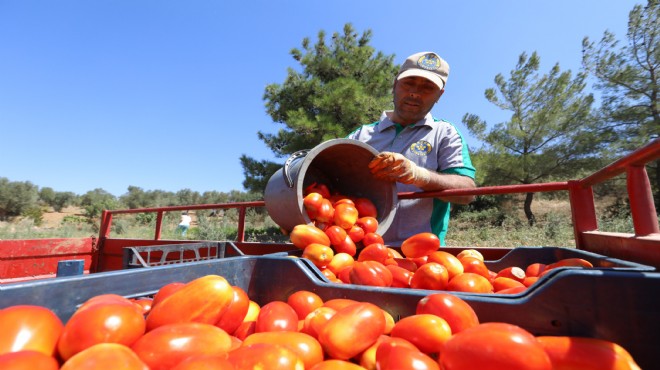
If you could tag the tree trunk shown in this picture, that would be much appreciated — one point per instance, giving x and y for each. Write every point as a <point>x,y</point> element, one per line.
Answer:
<point>528,209</point>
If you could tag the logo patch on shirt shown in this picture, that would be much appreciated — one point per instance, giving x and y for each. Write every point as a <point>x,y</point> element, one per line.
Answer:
<point>421,148</point>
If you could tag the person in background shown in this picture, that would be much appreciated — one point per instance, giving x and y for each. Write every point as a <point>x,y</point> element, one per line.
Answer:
<point>418,151</point>
<point>184,224</point>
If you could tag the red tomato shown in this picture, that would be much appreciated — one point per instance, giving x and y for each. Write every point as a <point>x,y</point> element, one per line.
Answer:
<point>513,290</point>
<point>513,272</point>
<point>371,238</point>
<point>201,300</point>
<point>319,254</point>
<point>451,263</point>
<point>351,330</point>
<point>530,280</point>
<point>570,262</point>
<point>390,356</point>
<point>430,275</point>
<point>265,356</point>
<point>366,208</point>
<point>167,345</point>
<point>371,273</point>
<point>336,234</point>
<point>304,345</point>
<point>406,263</point>
<point>105,356</point>
<point>535,269</point>
<point>103,322</point>
<point>368,224</point>
<point>419,245</point>
<point>419,261</point>
<point>316,319</point>
<point>312,204</point>
<point>339,303</point>
<point>317,188</point>
<point>367,358</point>
<point>29,328</point>
<point>374,252</point>
<point>586,353</point>
<point>469,282</point>
<point>166,291</point>
<point>28,360</point>
<point>356,233</point>
<point>502,283</point>
<point>304,302</point>
<point>245,330</point>
<point>494,346</point>
<point>326,212</point>
<point>235,313</point>
<point>302,235</point>
<point>277,316</point>
<point>455,311</point>
<point>144,304</point>
<point>344,274</point>
<point>205,362</point>
<point>347,246</point>
<point>400,276</point>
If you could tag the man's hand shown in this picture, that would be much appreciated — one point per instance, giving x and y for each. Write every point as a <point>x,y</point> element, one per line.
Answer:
<point>396,167</point>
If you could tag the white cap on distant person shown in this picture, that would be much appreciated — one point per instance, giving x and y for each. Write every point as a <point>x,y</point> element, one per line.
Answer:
<point>426,64</point>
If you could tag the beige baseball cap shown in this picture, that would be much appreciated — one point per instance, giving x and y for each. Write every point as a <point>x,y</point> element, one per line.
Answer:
<point>426,64</point>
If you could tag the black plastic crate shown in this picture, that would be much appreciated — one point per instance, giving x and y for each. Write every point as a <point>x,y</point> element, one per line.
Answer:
<point>620,306</point>
<point>167,254</point>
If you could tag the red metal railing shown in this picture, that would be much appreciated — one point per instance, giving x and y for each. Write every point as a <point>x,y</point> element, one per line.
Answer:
<point>642,247</point>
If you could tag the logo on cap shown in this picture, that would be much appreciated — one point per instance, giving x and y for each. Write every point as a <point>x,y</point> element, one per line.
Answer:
<point>429,61</point>
<point>421,148</point>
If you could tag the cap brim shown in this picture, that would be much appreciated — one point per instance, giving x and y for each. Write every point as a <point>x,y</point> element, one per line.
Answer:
<point>422,73</point>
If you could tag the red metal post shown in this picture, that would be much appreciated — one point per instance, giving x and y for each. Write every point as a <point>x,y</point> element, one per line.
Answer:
<point>240,235</point>
<point>583,210</point>
<point>642,208</point>
<point>159,224</point>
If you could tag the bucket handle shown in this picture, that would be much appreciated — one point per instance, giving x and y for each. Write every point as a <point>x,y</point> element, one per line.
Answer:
<point>285,169</point>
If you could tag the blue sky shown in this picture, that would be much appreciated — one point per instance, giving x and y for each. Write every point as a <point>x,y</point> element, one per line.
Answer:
<point>166,95</point>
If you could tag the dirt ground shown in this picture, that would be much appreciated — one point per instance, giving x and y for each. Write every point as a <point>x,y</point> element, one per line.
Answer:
<point>52,219</point>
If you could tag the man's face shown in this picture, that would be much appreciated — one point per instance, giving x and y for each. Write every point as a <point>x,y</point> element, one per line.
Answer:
<point>413,99</point>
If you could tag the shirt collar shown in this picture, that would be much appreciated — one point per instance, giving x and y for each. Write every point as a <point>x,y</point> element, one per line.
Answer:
<point>386,122</point>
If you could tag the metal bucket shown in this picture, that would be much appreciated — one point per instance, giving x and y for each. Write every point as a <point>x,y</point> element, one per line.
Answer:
<point>341,164</point>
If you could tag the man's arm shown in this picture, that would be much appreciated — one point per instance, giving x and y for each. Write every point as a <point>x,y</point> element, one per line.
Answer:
<point>440,181</point>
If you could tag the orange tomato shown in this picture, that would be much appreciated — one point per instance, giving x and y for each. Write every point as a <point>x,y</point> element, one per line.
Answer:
<point>319,254</point>
<point>316,319</point>
<point>106,356</point>
<point>304,302</point>
<point>244,330</point>
<point>367,358</point>
<point>494,345</point>
<point>304,345</point>
<point>340,260</point>
<point>28,360</point>
<point>512,290</point>
<point>470,282</point>
<point>427,332</point>
<point>400,276</point>
<point>406,263</point>
<point>470,252</point>
<point>253,311</point>
<point>351,330</point>
<point>166,291</point>
<point>201,300</point>
<point>333,364</point>
<point>235,313</point>
<point>530,280</point>
<point>430,275</point>
<point>570,262</point>
<point>371,238</point>
<point>513,272</point>
<point>302,235</point>
<point>339,303</point>
<point>326,211</point>
<point>205,362</point>
<point>144,304</point>
<point>312,204</point>
<point>167,345</point>
<point>535,269</point>
<point>475,265</point>
<point>586,353</point>
<point>356,233</point>
<point>419,245</point>
<point>502,283</point>
<point>347,246</point>
<point>29,328</point>
<point>454,310</point>
<point>345,215</point>
<point>451,263</point>
<point>265,356</point>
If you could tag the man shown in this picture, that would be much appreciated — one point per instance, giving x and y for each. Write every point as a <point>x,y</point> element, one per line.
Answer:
<point>419,152</point>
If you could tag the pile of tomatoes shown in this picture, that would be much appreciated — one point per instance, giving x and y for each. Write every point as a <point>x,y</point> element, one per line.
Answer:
<point>343,242</point>
<point>209,324</point>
